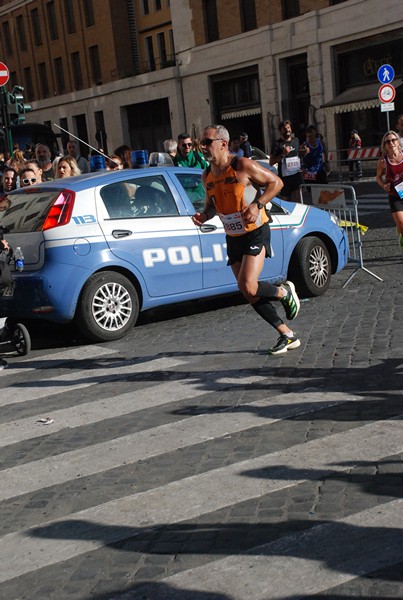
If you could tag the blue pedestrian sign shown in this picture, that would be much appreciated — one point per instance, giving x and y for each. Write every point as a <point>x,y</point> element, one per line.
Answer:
<point>386,74</point>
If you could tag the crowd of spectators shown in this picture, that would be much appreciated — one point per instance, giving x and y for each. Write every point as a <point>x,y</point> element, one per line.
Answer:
<point>36,164</point>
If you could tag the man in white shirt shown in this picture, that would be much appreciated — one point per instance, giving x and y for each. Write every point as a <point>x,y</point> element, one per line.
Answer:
<point>74,151</point>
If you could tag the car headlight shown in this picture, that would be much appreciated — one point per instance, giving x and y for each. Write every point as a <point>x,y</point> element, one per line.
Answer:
<point>333,217</point>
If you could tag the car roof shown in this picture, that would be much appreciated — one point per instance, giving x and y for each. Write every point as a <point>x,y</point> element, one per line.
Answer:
<point>90,180</point>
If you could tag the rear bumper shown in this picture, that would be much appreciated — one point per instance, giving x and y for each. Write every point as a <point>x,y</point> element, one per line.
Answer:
<point>48,296</point>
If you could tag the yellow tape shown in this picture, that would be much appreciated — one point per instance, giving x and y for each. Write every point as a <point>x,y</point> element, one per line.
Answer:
<point>363,228</point>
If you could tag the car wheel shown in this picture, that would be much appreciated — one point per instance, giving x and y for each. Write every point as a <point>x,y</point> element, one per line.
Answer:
<point>311,267</point>
<point>108,307</point>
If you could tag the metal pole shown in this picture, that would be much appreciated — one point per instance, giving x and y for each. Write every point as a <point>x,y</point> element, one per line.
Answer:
<point>86,144</point>
<point>6,121</point>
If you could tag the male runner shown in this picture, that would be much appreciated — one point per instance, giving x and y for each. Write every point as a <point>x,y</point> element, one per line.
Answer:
<point>232,187</point>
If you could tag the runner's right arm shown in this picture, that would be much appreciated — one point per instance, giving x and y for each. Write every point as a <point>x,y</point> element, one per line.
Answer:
<point>209,210</point>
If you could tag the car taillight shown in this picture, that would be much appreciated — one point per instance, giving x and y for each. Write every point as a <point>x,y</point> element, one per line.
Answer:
<point>60,211</point>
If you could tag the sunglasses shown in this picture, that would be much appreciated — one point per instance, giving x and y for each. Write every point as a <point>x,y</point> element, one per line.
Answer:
<point>391,141</point>
<point>208,141</point>
<point>27,181</point>
<point>188,144</point>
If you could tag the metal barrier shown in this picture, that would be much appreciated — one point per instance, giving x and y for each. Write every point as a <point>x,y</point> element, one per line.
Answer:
<point>338,162</point>
<point>333,199</point>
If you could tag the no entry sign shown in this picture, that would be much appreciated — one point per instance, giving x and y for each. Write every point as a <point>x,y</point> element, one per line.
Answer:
<point>4,74</point>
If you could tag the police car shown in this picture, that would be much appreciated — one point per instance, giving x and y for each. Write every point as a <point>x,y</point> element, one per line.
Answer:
<point>100,248</point>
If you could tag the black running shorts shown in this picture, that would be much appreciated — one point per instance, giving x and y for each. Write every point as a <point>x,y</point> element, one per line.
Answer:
<point>395,203</point>
<point>291,184</point>
<point>248,244</point>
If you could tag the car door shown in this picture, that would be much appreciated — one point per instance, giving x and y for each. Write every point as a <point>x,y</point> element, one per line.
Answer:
<point>212,236</point>
<point>143,226</point>
<point>212,239</point>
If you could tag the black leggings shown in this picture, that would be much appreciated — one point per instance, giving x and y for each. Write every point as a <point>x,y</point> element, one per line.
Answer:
<point>266,292</point>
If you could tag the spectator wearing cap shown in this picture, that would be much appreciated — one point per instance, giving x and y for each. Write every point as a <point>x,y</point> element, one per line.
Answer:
<point>245,145</point>
<point>354,142</point>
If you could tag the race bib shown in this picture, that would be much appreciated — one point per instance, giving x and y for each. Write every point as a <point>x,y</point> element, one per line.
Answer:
<point>233,223</point>
<point>291,165</point>
<point>399,189</point>
<point>311,176</point>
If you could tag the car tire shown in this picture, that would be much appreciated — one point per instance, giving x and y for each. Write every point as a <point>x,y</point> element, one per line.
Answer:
<point>311,268</point>
<point>108,307</point>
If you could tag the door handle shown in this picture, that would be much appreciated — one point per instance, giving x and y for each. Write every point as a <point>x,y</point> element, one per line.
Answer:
<point>121,233</point>
<point>206,228</point>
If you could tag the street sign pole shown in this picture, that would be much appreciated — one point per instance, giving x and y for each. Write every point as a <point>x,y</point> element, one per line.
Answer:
<point>5,118</point>
<point>386,93</point>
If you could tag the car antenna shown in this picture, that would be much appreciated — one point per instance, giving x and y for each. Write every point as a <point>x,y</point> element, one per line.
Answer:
<point>89,145</point>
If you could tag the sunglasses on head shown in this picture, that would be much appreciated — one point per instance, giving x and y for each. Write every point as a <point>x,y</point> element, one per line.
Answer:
<point>27,181</point>
<point>208,141</point>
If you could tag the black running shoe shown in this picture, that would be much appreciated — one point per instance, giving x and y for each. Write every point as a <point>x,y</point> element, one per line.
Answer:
<point>284,343</point>
<point>291,301</point>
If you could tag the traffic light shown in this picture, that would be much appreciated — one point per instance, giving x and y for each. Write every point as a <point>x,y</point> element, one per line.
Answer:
<point>16,108</point>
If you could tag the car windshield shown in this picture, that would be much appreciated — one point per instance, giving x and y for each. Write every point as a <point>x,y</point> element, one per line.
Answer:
<point>259,154</point>
<point>25,212</point>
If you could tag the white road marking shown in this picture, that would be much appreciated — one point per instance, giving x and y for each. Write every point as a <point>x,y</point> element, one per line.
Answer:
<point>194,496</point>
<point>54,470</point>
<point>77,380</point>
<point>57,358</point>
<point>308,562</point>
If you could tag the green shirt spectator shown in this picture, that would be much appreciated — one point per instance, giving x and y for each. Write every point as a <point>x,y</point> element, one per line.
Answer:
<point>186,156</point>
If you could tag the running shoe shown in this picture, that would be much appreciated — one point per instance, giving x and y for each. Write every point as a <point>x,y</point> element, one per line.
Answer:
<point>3,364</point>
<point>284,343</point>
<point>291,301</point>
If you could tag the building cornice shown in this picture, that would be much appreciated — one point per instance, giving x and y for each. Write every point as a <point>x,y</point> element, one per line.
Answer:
<point>15,5</point>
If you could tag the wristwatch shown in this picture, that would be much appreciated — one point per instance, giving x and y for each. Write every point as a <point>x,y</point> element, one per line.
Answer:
<point>259,204</point>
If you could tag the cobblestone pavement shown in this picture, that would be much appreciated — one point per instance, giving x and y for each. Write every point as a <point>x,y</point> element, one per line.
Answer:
<point>185,463</point>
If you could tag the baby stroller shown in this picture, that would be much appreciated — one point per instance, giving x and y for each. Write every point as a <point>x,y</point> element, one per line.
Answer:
<point>17,335</point>
<point>11,332</point>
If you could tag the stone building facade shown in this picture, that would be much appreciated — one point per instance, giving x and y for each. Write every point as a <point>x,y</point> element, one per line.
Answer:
<point>150,69</point>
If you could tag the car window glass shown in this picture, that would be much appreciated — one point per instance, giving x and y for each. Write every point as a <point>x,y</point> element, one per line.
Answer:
<point>25,212</point>
<point>258,154</point>
<point>276,209</point>
<point>117,201</point>
<point>194,189</point>
<point>139,197</point>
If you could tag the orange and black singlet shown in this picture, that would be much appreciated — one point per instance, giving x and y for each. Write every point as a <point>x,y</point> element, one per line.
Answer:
<point>229,197</point>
